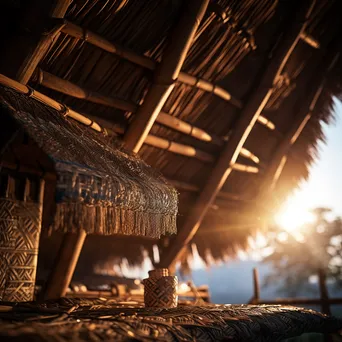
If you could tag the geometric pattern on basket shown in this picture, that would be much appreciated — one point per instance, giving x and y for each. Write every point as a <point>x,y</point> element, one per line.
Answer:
<point>20,224</point>
<point>161,292</point>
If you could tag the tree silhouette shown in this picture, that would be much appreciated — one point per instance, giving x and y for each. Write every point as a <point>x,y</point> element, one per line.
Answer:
<point>315,249</point>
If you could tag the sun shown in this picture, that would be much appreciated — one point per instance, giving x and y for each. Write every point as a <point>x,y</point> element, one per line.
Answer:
<point>293,215</point>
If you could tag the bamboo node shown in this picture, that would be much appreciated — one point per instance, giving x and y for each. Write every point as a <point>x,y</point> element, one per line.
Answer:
<point>30,91</point>
<point>65,110</point>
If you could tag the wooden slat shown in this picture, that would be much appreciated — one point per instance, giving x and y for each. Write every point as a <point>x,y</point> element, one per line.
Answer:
<point>166,73</point>
<point>254,106</point>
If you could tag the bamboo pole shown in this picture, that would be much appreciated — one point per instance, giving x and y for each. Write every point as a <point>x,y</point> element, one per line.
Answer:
<point>209,87</point>
<point>166,73</point>
<point>66,87</point>
<point>244,168</point>
<point>31,61</point>
<point>177,148</point>
<point>249,155</point>
<point>164,144</point>
<point>89,121</point>
<point>65,265</point>
<point>254,106</point>
<point>67,112</point>
<point>310,40</point>
<point>69,88</point>
<point>143,61</point>
<point>60,8</point>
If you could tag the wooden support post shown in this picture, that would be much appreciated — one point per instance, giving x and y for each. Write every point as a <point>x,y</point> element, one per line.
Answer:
<point>65,265</point>
<point>254,106</point>
<point>256,285</point>
<point>323,290</point>
<point>166,73</point>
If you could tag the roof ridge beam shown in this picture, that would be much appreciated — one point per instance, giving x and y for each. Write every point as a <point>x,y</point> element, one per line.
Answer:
<point>245,122</point>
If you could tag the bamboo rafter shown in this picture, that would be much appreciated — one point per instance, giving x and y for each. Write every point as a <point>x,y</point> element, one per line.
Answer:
<point>146,62</point>
<point>89,121</point>
<point>247,118</point>
<point>66,87</point>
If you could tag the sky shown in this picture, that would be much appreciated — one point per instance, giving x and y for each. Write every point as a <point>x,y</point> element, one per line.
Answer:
<point>324,186</point>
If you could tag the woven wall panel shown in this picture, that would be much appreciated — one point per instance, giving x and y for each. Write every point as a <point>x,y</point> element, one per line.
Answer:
<point>20,225</point>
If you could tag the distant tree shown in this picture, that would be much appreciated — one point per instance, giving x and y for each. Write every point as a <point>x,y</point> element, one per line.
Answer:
<point>313,250</point>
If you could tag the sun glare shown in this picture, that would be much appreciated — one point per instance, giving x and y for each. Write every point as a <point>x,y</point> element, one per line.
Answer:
<point>293,215</point>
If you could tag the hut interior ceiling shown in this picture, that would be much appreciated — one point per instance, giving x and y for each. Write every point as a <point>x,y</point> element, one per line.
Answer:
<point>101,59</point>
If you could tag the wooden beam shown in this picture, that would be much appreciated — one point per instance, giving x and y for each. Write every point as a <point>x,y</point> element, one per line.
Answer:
<point>166,73</point>
<point>65,265</point>
<point>254,106</point>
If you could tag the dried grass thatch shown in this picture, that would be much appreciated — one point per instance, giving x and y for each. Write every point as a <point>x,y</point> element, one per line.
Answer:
<point>99,187</point>
<point>232,48</point>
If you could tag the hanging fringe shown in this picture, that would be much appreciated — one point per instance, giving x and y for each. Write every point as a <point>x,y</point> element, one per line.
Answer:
<point>70,217</point>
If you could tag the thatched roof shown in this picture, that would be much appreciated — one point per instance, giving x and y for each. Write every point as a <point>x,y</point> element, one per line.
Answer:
<point>232,49</point>
<point>98,187</point>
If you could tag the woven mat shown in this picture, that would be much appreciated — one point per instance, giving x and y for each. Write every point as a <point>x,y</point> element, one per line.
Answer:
<point>107,320</point>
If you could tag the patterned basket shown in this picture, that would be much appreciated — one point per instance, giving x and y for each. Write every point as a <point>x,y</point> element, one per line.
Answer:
<point>20,226</point>
<point>160,289</point>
